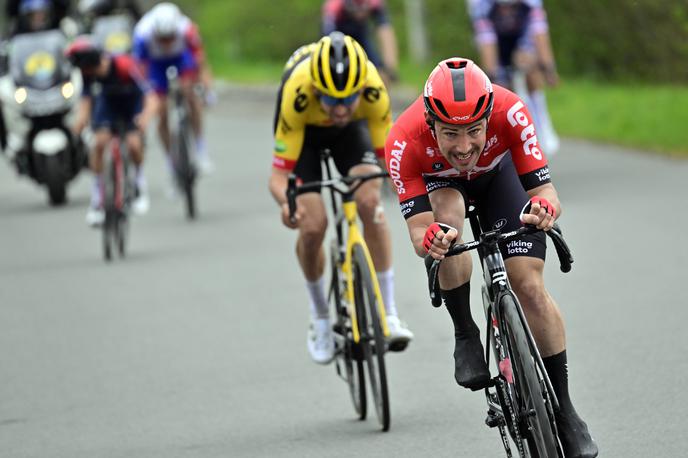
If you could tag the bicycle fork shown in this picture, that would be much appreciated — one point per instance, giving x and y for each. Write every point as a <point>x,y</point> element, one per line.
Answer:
<point>355,237</point>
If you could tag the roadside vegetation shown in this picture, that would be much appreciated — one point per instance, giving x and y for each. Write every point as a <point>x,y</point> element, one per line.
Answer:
<point>624,75</point>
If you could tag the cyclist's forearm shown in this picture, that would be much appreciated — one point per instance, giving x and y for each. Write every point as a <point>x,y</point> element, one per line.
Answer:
<point>83,113</point>
<point>388,44</point>
<point>417,225</point>
<point>543,48</point>
<point>489,59</point>
<point>278,185</point>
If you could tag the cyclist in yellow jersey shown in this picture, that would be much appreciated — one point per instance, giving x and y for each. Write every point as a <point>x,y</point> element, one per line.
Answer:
<point>332,97</point>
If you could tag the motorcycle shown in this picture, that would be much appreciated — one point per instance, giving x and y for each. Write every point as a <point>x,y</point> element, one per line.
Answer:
<point>39,94</point>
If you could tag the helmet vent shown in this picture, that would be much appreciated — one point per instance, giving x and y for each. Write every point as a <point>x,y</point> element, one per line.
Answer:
<point>457,65</point>
<point>478,106</point>
<point>358,70</point>
<point>440,108</point>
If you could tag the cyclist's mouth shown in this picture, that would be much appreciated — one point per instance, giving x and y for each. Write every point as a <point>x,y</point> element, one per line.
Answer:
<point>462,158</point>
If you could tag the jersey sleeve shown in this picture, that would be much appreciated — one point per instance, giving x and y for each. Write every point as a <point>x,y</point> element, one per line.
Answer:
<point>483,27</point>
<point>291,126</point>
<point>139,49</point>
<point>134,74</point>
<point>537,18</point>
<point>406,174</point>
<point>378,110</point>
<point>193,41</point>
<point>529,159</point>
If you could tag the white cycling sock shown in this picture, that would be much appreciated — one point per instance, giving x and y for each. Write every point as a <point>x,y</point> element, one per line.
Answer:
<point>201,150</point>
<point>316,292</point>
<point>386,281</point>
<point>141,182</point>
<point>96,194</point>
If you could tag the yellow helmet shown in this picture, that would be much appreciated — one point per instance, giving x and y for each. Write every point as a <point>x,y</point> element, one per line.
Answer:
<point>339,65</point>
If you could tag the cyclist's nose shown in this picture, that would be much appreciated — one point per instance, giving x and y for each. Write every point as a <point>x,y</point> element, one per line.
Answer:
<point>462,144</point>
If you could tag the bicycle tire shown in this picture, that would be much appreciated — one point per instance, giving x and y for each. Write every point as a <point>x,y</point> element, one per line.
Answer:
<point>186,173</point>
<point>372,337</point>
<point>353,363</point>
<point>110,185</point>
<point>536,428</point>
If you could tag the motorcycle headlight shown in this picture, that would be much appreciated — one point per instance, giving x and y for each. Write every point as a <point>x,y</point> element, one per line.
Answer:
<point>67,90</point>
<point>20,95</point>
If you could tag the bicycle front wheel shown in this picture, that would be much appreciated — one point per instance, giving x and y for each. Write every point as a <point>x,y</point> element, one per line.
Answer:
<point>110,192</point>
<point>372,337</point>
<point>350,352</point>
<point>186,173</point>
<point>534,421</point>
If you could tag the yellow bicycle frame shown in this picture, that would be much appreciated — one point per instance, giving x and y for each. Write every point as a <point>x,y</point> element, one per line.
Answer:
<point>354,237</point>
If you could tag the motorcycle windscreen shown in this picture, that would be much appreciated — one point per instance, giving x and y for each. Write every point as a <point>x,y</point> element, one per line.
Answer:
<point>37,59</point>
<point>114,33</point>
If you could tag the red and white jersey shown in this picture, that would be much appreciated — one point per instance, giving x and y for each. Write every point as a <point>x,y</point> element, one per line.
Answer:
<point>413,156</point>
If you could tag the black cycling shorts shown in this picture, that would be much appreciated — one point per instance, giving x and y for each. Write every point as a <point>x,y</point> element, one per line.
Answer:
<point>349,146</point>
<point>499,198</point>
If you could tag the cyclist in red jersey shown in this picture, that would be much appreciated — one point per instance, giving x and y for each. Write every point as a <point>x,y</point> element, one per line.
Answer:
<point>114,91</point>
<point>465,140</point>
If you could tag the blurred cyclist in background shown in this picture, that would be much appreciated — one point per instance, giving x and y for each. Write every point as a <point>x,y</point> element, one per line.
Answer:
<point>114,92</point>
<point>351,17</point>
<point>332,97</point>
<point>514,34</point>
<point>164,37</point>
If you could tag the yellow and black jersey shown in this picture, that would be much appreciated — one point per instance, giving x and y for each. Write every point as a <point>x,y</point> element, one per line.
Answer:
<point>299,107</point>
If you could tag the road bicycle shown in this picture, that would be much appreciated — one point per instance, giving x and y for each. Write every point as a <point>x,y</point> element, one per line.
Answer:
<point>118,193</point>
<point>520,398</point>
<point>182,142</point>
<point>360,326</point>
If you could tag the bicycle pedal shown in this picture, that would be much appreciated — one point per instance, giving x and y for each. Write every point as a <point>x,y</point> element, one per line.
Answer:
<point>494,419</point>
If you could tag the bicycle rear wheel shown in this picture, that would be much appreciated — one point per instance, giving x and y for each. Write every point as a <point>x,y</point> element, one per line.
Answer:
<point>351,353</point>
<point>372,337</point>
<point>534,420</point>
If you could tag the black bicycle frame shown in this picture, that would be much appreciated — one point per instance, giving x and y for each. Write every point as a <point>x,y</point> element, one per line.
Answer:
<point>495,276</point>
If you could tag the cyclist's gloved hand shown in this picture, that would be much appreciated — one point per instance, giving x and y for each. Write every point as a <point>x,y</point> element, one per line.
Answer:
<point>539,212</point>
<point>439,237</point>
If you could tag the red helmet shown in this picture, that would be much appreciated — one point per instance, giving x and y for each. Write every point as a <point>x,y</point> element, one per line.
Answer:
<point>458,92</point>
<point>84,52</point>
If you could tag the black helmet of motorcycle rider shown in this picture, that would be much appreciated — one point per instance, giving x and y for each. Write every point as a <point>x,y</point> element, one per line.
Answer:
<point>85,53</point>
<point>35,15</point>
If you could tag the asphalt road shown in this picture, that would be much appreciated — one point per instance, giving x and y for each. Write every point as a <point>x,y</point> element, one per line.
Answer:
<point>194,346</point>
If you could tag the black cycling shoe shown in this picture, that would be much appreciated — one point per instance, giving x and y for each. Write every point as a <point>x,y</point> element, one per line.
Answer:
<point>470,367</point>
<point>574,436</point>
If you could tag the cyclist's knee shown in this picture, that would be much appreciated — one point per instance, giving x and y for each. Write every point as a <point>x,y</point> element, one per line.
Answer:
<point>102,138</point>
<point>369,205</point>
<point>312,231</point>
<point>532,295</point>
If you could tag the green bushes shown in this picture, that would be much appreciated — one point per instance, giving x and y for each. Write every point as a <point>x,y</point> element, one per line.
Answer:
<point>621,40</point>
